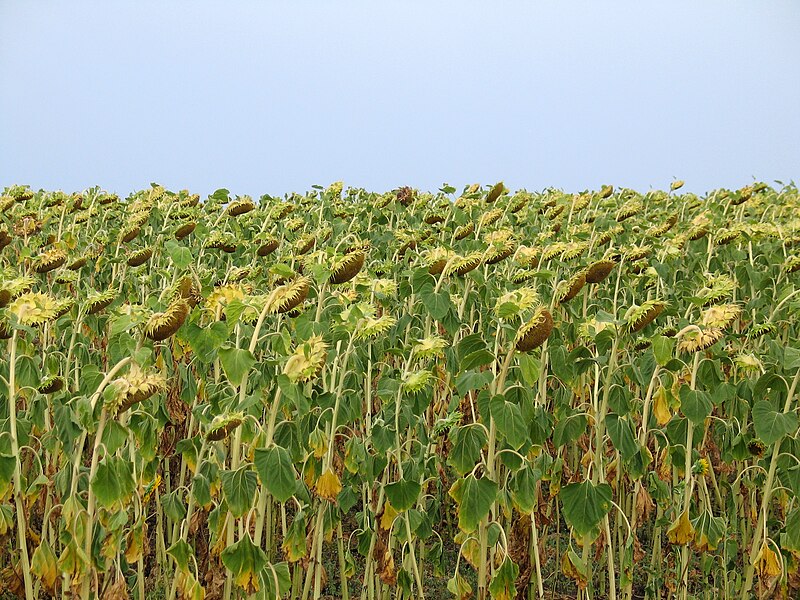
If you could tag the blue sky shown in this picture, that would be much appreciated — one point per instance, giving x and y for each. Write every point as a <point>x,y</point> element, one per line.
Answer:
<point>264,97</point>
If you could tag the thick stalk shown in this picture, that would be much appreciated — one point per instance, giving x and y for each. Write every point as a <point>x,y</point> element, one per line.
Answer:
<point>22,537</point>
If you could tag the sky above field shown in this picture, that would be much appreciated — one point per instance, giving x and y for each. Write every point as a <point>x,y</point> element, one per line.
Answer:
<point>274,97</point>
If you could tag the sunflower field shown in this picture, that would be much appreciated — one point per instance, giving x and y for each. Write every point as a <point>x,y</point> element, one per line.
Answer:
<point>348,394</point>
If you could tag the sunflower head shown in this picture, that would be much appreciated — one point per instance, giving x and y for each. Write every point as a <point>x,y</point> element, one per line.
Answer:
<point>134,387</point>
<point>720,315</point>
<point>347,267</point>
<point>97,301</point>
<point>139,257</point>
<point>50,260</point>
<point>430,347</point>
<point>239,207</point>
<point>287,296</point>
<point>512,304</point>
<point>698,340</point>
<point>567,290</point>
<point>163,325</point>
<point>533,334</point>
<point>638,317</point>
<point>307,360</point>
<point>599,270</point>
<point>34,308</point>
<point>222,426</point>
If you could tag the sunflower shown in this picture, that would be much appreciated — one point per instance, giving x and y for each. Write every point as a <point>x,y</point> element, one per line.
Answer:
<point>347,267</point>
<point>720,316</point>
<point>50,260</point>
<point>599,270</point>
<point>34,308</point>
<point>241,206</point>
<point>139,257</point>
<point>162,325</point>
<point>533,334</point>
<point>640,316</point>
<point>222,426</point>
<point>134,387</point>
<point>97,301</point>
<point>697,340</point>
<point>371,327</point>
<point>289,295</point>
<point>185,229</point>
<point>307,360</point>
<point>570,288</point>
<point>430,347</point>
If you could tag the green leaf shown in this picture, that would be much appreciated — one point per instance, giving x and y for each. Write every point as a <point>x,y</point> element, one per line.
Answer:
<point>403,494</point>
<point>569,429</point>
<point>696,405</point>
<point>274,466</point>
<point>662,349</point>
<point>621,434</point>
<point>472,380</point>
<point>502,584</point>
<point>523,489</point>
<point>7,464</point>
<point>180,255</point>
<point>276,580</point>
<point>239,488</point>
<point>236,362</point>
<point>205,341</point>
<point>476,359</point>
<point>467,443</point>
<point>245,561</point>
<point>113,482</point>
<point>770,424</point>
<point>508,418</point>
<point>474,498</point>
<point>584,505</point>
<point>791,358</point>
<point>437,303</point>
<point>181,551</point>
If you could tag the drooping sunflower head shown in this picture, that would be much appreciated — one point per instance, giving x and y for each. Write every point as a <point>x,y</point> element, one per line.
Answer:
<point>240,206</point>
<point>34,308</point>
<point>139,257</point>
<point>533,334</point>
<point>464,230</point>
<point>436,259</point>
<point>698,340</point>
<point>223,295</point>
<point>221,241</point>
<point>222,426</point>
<point>461,265</point>
<point>416,381</point>
<point>286,297</point>
<point>163,325</point>
<point>97,301</point>
<point>51,384</point>
<point>599,270</point>
<point>570,288</point>
<point>14,286</point>
<point>720,316</point>
<point>347,267</point>
<point>372,327</point>
<point>307,360</point>
<point>716,288</point>
<point>136,386</point>
<point>432,346</point>
<point>637,317</point>
<point>512,304</point>
<point>184,229</point>
<point>50,260</point>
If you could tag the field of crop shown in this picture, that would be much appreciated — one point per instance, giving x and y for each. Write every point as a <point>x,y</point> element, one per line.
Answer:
<point>348,394</point>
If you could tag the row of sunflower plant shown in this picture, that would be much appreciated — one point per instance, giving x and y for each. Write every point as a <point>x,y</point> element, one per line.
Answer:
<point>403,394</point>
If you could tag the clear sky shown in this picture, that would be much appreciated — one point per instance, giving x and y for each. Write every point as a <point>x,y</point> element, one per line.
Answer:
<point>272,97</point>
